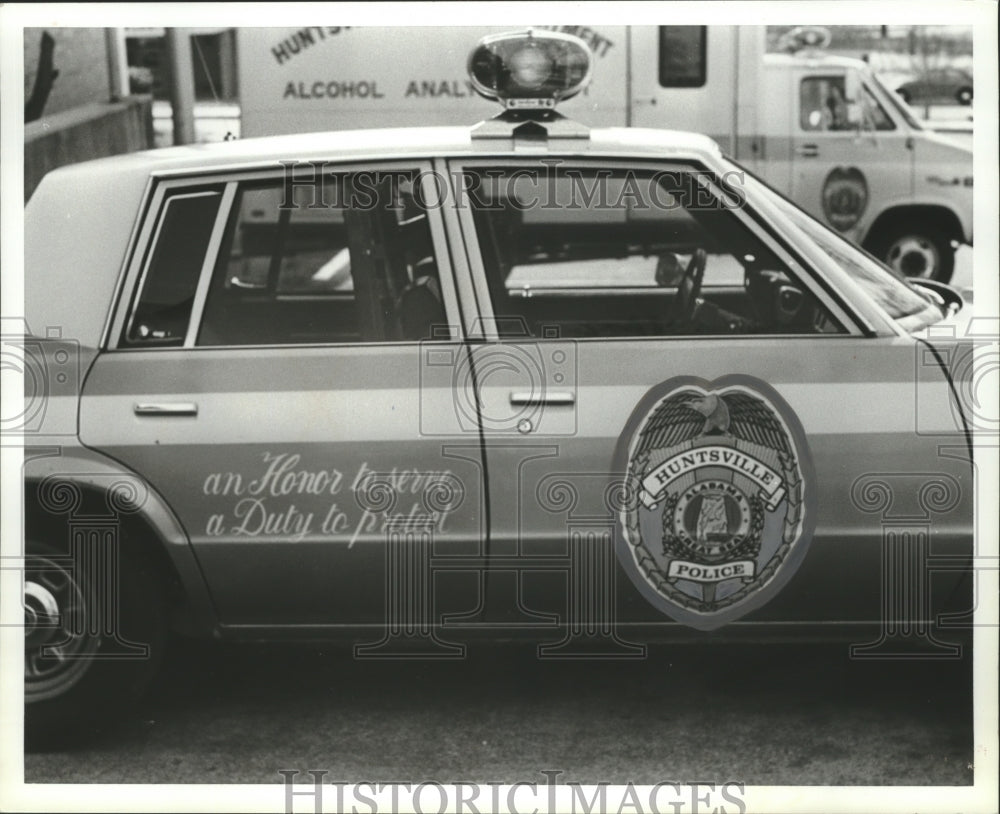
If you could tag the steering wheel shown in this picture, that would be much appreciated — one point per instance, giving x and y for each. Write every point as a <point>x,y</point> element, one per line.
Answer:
<point>685,302</point>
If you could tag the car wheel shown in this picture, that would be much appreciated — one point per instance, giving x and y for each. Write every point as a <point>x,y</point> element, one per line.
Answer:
<point>91,643</point>
<point>964,96</point>
<point>920,250</point>
<point>904,95</point>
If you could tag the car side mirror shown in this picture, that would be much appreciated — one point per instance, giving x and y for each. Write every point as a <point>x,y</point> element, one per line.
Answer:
<point>947,298</point>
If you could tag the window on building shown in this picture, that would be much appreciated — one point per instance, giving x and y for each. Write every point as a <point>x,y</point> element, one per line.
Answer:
<point>683,56</point>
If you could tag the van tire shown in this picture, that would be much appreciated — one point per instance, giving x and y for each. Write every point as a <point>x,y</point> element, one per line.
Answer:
<point>964,96</point>
<point>920,249</point>
<point>68,701</point>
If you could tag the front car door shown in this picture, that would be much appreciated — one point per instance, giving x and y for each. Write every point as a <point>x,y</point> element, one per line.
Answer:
<point>265,374</point>
<point>603,368</point>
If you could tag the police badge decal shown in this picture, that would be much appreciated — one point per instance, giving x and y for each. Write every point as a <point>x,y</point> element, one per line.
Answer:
<point>719,497</point>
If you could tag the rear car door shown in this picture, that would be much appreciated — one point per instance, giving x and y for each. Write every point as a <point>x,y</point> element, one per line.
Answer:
<point>264,374</point>
<point>600,370</point>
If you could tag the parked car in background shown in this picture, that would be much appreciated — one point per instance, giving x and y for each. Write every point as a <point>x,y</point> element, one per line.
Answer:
<point>940,85</point>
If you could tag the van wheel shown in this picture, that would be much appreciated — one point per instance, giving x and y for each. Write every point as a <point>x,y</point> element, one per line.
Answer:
<point>918,250</point>
<point>964,96</point>
<point>89,649</point>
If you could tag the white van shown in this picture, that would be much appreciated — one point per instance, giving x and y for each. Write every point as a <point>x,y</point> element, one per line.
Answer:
<point>821,129</point>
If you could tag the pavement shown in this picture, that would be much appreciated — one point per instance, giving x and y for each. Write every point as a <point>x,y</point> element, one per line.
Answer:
<point>761,715</point>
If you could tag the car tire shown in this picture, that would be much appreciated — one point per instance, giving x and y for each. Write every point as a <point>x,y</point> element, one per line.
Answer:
<point>964,96</point>
<point>904,95</point>
<point>915,250</point>
<point>105,660</point>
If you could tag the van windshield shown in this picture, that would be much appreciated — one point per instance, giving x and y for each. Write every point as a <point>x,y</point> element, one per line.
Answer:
<point>897,103</point>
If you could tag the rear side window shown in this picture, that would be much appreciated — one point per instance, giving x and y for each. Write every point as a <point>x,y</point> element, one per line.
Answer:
<point>167,292</point>
<point>354,265</point>
<point>683,56</point>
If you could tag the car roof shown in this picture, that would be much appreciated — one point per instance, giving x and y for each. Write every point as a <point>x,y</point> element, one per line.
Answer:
<point>382,144</point>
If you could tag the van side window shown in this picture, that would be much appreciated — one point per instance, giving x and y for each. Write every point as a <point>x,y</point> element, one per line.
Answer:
<point>355,264</point>
<point>168,285</point>
<point>683,56</point>
<point>823,104</point>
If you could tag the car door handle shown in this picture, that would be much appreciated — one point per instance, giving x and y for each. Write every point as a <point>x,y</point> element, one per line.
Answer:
<point>166,408</point>
<point>808,150</point>
<point>520,399</point>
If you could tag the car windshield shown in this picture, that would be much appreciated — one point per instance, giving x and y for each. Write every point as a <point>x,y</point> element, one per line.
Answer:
<point>903,302</point>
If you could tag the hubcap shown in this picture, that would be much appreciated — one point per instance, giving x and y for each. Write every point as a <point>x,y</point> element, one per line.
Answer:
<point>58,640</point>
<point>914,256</point>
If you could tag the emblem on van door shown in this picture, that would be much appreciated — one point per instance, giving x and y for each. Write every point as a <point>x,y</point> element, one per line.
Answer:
<point>719,501</point>
<point>845,197</point>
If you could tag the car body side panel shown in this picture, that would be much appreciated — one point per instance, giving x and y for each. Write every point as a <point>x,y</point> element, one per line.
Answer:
<point>284,478</point>
<point>62,473</point>
<point>856,400</point>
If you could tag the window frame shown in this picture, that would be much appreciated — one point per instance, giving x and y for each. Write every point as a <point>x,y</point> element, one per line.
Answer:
<point>161,206</point>
<point>756,223</point>
<point>168,185</point>
<point>702,78</point>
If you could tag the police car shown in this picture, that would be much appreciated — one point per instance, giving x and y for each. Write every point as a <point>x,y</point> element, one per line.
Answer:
<point>409,387</point>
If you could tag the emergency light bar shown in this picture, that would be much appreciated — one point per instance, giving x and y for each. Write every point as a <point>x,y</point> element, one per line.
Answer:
<point>530,69</point>
<point>805,37</point>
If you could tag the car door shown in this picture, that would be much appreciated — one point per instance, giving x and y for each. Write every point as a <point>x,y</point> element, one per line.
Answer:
<point>265,374</point>
<point>580,266</point>
<point>850,159</point>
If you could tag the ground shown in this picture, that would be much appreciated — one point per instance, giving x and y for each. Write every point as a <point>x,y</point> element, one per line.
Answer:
<point>764,715</point>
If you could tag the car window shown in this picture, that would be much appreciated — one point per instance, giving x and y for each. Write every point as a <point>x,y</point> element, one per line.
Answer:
<point>167,288</point>
<point>593,252</point>
<point>358,267</point>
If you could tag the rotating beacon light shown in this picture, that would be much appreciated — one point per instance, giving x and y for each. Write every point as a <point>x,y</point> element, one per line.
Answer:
<point>530,70</point>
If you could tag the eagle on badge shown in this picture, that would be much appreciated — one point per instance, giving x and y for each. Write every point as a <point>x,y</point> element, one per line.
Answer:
<point>720,496</point>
